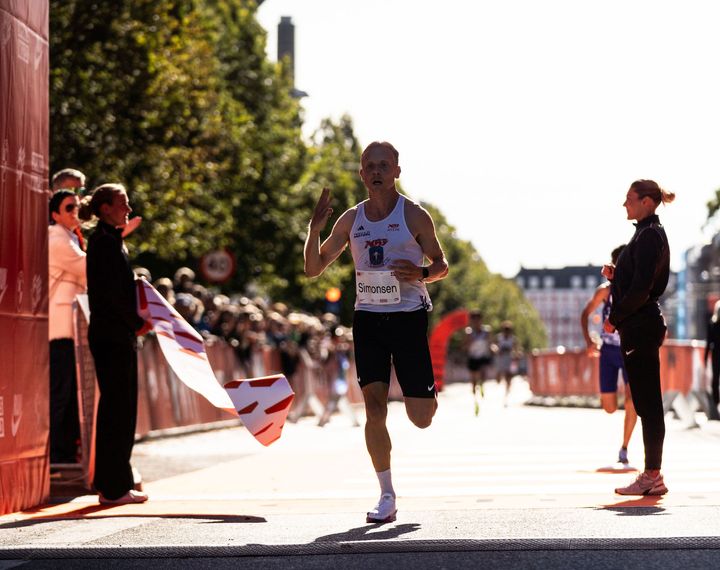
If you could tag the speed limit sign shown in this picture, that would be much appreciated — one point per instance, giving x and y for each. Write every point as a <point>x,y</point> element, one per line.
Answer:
<point>217,266</point>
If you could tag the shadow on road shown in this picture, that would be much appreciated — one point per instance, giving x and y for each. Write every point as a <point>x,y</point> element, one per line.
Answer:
<point>366,533</point>
<point>640,507</point>
<point>104,511</point>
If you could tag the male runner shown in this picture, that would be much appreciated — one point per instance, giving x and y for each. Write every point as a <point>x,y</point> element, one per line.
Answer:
<point>390,236</point>
<point>479,346</point>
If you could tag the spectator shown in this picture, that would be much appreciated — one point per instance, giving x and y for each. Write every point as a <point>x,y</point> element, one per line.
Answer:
<point>114,322</point>
<point>183,280</point>
<point>165,287</point>
<point>66,273</point>
<point>69,179</point>
<point>189,308</point>
<point>73,181</point>
<point>143,273</point>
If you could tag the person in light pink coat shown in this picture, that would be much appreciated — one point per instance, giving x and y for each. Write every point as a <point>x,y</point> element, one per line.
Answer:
<point>66,279</point>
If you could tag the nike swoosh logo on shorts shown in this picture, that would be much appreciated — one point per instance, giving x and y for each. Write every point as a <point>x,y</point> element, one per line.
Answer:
<point>629,352</point>
<point>431,387</point>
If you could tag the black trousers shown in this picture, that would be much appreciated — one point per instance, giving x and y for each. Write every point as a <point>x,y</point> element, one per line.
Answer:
<point>640,343</point>
<point>64,420</point>
<point>716,376</point>
<point>116,370</point>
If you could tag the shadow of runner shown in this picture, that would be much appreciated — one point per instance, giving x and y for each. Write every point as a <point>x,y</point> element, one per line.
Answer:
<point>91,513</point>
<point>364,533</point>
<point>640,507</point>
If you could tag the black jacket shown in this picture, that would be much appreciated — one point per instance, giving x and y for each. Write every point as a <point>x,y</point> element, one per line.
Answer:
<point>111,287</point>
<point>641,274</point>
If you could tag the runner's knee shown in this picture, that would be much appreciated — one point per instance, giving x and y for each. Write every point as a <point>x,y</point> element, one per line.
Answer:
<point>609,407</point>
<point>422,417</point>
<point>421,420</point>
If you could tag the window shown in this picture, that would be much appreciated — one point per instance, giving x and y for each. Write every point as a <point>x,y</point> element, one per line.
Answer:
<point>575,282</point>
<point>591,281</point>
<point>534,282</point>
<point>548,282</point>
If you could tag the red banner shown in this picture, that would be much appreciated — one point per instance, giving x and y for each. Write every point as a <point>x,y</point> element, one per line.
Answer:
<point>439,342</point>
<point>24,373</point>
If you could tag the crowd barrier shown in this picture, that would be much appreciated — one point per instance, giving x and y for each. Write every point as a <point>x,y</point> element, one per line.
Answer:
<point>685,380</point>
<point>166,404</point>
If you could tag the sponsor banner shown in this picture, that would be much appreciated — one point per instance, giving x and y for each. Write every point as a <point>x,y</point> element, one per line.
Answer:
<point>24,366</point>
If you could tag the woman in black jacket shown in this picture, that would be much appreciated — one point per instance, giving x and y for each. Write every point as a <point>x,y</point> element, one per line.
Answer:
<point>638,280</point>
<point>114,323</point>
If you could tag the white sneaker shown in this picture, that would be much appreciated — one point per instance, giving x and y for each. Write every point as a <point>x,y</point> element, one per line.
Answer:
<point>384,511</point>
<point>128,498</point>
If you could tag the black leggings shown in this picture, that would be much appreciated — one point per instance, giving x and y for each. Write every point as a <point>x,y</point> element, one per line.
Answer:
<point>716,376</point>
<point>640,344</point>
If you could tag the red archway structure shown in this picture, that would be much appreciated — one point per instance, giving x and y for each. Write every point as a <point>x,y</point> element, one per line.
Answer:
<point>439,338</point>
<point>24,380</point>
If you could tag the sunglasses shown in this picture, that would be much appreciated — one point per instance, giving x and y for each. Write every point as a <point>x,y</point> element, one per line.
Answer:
<point>80,190</point>
<point>70,207</point>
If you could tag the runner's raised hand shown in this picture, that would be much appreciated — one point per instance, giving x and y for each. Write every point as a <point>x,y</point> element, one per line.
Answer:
<point>322,211</point>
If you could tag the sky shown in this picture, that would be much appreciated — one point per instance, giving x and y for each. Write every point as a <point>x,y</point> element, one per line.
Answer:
<point>525,121</point>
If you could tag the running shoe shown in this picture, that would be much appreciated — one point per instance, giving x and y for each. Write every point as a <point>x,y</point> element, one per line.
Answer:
<point>384,511</point>
<point>477,408</point>
<point>644,485</point>
<point>622,456</point>
<point>128,498</point>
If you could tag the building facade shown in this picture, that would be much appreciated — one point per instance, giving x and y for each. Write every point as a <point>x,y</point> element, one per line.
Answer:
<point>559,296</point>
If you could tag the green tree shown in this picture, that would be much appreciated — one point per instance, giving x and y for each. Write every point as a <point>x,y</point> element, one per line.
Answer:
<point>471,285</point>
<point>176,99</point>
<point>713,205</point>
<point>261,183</point>
<point>333,162</point>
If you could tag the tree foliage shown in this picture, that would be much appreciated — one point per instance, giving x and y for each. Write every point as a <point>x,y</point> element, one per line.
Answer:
<point>713,205</point>
<point>471,285</point>
<point>177,100</point>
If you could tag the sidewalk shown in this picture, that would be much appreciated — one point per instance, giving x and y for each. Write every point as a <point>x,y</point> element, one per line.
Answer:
<point>516,478</point>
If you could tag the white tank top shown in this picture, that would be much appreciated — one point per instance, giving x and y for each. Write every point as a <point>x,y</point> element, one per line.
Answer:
<point>374,246</point>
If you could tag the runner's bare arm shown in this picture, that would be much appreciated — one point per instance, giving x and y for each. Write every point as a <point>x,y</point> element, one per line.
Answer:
<point>601,293</point>
<point>421,226</point>
<point>318,257</point>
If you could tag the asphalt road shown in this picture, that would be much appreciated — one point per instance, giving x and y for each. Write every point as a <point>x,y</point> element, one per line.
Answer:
<point>516,486</point>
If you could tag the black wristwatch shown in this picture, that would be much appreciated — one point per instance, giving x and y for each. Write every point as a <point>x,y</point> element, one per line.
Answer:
<point>425,273</point>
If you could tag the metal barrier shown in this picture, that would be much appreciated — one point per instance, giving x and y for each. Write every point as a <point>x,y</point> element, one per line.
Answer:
<point>164,402</point>
<point>684,378</point>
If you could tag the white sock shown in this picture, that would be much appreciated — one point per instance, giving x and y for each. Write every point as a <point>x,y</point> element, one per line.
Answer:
<point>385,479</point>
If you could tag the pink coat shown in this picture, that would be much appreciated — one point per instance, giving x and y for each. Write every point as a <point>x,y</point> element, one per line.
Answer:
<point>66,279</point>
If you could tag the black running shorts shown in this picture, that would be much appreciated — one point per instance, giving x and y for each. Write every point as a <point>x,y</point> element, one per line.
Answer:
<point>399,338</point>
<point>475,364</point>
